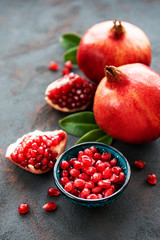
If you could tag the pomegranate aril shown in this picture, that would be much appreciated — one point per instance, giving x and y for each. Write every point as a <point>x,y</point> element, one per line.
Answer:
<point>44,161</point>
<point>89,184</point>
<point>39,158</point>
<point>37,165</point>
<point>86,160</point>
<point>51,164</point>
<point>80,154</point>
<point>152,179</point>
<point>107,173</point>
<point>96,190</point>
<point>100,165</point>
<point>54,154</point>
<point>96,156</point>
<point>105,183</point>
<point>34,146</point>
<point>53,66</point>
<point>24,163</point>
<point>53,191</point>
<point>50,206</point>
<point>99,196</point>
<point>79,183</point>
<point>64,173</point>
<point>106,156</point>
<point>85,193</point>
<point>64,164</point>
<point>74,172</point>
<point>121,178</point>
<point>77,164</point>
<point>116,170</point>
<point>64,180</point>
<point>88,152</point>
<point>20,157</point>
<point>114,178</point>
<point>84,176</point>
<point>139,164</point>
<point>113,162</point>
<point>96,177</point>
<point>32,161</point>
<point>68,186</point>
<point>92,196</point>
<point>93,149</point>
<point>23,208</point>
<point>71,178</point>
<point>65,71</point>
<point>34,153</point>
<point>91,170</point>
<point>68,65</point>
<point>108,192</point>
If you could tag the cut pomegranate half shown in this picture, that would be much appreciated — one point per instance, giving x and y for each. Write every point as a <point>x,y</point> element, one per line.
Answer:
<point>37,151</point>
<point>70,93</point>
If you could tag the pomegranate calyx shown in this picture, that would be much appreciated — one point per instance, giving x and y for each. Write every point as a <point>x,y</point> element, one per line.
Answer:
<point>113,75</point>
<point>118,29</point>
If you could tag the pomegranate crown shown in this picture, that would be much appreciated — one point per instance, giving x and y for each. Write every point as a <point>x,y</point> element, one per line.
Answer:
<point>118,28</point>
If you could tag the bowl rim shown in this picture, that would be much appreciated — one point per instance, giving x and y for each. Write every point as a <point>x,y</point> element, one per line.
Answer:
<point>74,198</point>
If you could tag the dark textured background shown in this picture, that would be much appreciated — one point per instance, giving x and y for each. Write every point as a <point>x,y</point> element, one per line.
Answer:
<point>29,33</point>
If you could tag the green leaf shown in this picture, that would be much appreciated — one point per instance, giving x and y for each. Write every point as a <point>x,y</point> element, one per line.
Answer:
<point>71,55</point>
<point>69,40</point>
<point>96,135</point>
<point>78,124</point>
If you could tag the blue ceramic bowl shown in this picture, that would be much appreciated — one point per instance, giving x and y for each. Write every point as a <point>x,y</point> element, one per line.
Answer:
<point>102,148</point>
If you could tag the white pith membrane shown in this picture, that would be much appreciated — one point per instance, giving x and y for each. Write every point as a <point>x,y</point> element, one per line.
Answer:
<point>58,148</point>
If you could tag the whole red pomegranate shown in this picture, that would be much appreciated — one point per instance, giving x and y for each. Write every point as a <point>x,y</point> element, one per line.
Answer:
<point>111,43</point>
<point>37,151</point>
<point>70,93</point>
<point>127,103</point>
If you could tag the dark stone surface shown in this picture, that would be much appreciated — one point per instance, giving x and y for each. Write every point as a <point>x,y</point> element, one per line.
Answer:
<point>29,33</point>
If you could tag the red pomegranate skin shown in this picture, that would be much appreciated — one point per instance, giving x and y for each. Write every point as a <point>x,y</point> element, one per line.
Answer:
<point>127,106</point>
<point>100,46</point>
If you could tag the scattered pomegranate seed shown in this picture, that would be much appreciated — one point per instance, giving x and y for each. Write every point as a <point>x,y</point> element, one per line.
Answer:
<point>139,164</point>
<point>152,179</point>
<point>68,65</point>
<point>64,164</point>
<point>53,66</point>
<point>23,208</point>
<point>50,206</point>
<point>92,175</point>
<point>65,71</point>
<point>53,192</point>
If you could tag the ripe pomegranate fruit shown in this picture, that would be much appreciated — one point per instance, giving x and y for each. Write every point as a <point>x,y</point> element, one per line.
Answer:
<point>127,103</point>
<point>111,43</point>
<point>70,93</point>
<point>37,151</point>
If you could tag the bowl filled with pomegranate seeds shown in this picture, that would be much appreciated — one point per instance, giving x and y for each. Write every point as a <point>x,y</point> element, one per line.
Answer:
<point>92,174</point>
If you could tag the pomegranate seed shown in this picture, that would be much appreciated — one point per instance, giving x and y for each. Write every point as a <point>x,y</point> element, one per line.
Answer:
<point>152,179</point>
<point>32,161</point>
<point>113,162</point>
<point>139,164</point>
<point>64,164</point>
<point>68,65</point>
<point>68,186</point>
<point>85,193</point>
<point>80,154</point>
<point>114,178</point>
<point>116,170</point>
<point>37,165</point>
<point>121,178</point>
<point>106,183</point>
<point>100,165</point>
<point>65,173</point>
<point>50,206</point>
<point>53,192</point>
<point>107,173</point>
<point>97,156</point>
<point>92,196</point>
<point>74,172</point>
<point>96,177</point>
<point>64,180</point>
<point>23,208</point>
<point>77,164</point>
<point>79,183</point>
<point>108,192</point>
<point>91,170</point>
<point>65,71</point>
<point>93,149</point>
<point>71,178</point>
<point>106,156</point>
<point>44,161</point>
<point>88,152</point>
<point>51,164</point>
<point>53,66</point>
<point>89,184</point>
<point>99,196</point>
<point>87,161</point>
<point>96,189</point>
<point>84,176</point>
